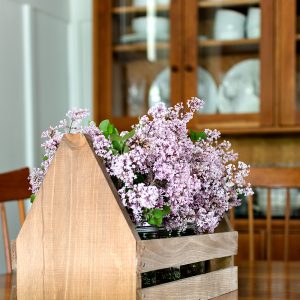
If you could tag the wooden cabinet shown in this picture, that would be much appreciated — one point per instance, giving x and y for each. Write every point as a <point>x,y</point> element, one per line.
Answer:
<point>150,51</point>
<point>288,66</point>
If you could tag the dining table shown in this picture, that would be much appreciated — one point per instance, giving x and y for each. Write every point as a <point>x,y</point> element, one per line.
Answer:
<point>259,280</point>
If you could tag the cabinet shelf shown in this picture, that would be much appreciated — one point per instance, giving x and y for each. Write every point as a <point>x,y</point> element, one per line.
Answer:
<point>221,43</point>
<point>142,46</point>
<point>137,9</point>
<point>138,47</point>
<point>224,3</point>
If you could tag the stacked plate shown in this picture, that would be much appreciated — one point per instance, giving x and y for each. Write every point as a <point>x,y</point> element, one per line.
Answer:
<point>238,92</point>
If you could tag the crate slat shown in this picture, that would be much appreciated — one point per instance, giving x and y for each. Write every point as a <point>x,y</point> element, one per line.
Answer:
<point>163,253</point>
<point>206,286</point>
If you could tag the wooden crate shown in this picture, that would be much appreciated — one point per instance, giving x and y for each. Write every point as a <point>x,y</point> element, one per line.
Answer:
<point>78,242</point>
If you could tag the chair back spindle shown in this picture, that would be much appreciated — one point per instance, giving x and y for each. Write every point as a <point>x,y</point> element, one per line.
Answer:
<point>271,178</point>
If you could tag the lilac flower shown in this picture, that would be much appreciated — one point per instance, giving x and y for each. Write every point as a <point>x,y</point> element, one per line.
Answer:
<point>198,180</point>
<point>77,114</point>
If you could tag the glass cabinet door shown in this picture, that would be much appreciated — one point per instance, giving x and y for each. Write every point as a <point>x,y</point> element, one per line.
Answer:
<point>289,62</point>
<point>141,73</point>
<point>138,62</point>
<point>227,64</point>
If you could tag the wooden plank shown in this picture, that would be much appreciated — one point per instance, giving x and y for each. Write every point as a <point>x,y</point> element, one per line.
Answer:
<point>220,43</point>
<point>13,252</point>
<point>286,70</point>
<point>5,236</point>
<point>287,225</point>
<point>21,211</point>
<point>275,177</point>
<point>206,286</point>
<point>176,61</point>
<point>190,52</point>
<point>142,46</point>
<point>251,227</point>
<point>225,3</point>
<point>76,242</point>
<point>137,9</point>
<point>14,185</point>
<point>163,253</point>
<point>269,225</point>
<point>102,60</point>
<point>267,66</point>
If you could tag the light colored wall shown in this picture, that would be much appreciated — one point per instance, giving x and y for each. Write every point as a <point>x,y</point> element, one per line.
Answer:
<point>81,53</point>
<point>45,68</point>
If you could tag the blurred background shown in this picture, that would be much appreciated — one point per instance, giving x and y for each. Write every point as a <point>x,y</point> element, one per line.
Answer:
<point>45,69</point>
<point>240,56</point>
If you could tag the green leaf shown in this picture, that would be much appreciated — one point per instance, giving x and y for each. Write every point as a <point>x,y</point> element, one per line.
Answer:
<point>196,136</point>
<point>129,135</point>
<point>110,129</point>
<point>114,151</point>
<point>126,149</point>
<point>116,137</point>
<point>103,125</point>
<point>45,157</point>
<point>157,213</point>
<point>117,146</point>
<point>166,209</point>
<point>156,221</point>
<point>154,216</point>
<point>32,198</point>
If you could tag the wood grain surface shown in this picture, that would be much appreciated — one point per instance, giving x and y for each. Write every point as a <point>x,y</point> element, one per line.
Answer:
<point>76,242</point>
<point>202,287</point>
<point>163,253</point>
<point>14,185</point>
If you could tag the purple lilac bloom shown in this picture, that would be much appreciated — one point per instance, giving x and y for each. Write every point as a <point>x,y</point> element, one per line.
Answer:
<point>200,181</point>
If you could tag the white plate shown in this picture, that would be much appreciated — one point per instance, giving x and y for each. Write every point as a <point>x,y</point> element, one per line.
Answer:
<point>207,90</point>
<point>134,38</point>
<point>240,88</point>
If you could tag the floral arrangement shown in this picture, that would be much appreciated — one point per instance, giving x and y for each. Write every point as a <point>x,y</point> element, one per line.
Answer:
<point>165,174</point>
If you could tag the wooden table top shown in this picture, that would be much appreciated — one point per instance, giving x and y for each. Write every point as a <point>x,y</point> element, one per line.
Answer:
<point>260,281</point>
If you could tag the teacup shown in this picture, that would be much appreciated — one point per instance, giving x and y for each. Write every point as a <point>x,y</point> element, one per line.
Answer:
<point>253,22</point>
<point>229,25</point>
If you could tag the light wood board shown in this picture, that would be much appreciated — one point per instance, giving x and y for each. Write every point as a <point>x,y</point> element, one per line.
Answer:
<point>76,242</point>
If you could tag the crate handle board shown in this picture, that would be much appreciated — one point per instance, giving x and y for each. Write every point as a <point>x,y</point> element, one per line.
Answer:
<point>78,241</point>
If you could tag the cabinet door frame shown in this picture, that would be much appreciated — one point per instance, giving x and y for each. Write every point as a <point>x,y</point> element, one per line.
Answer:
<point>266,117</point>
<point>286,69</point>
<point>103,61</point>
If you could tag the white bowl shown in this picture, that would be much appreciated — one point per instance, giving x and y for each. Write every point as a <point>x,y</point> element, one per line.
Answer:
<point>143,25</point>
<point>144,2</point>
<point>229,24</point>
<point>253,22</point>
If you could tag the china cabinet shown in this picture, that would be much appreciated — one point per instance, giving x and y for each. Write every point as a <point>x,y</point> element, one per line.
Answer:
<point>151,51</point>
<point>241,56</point>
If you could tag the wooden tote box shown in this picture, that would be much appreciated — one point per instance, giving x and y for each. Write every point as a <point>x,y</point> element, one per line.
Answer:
<point>78,242</point>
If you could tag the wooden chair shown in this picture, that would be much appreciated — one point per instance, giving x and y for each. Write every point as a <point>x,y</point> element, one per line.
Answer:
<point>271,178</point>
<point>13,186</point>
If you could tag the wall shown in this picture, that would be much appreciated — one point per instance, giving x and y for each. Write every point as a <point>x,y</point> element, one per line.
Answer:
<point>43,45</point>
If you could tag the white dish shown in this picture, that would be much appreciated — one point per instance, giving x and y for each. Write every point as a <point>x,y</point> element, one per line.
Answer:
<point>147,25</point>
<point>253,22</point>
<point>240,88</point>
<point>229,25</point>
<point>207,90</point>
<point>134,38</point>
<point>144,2</point>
